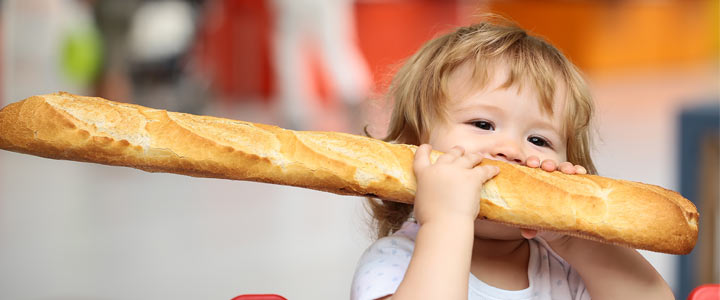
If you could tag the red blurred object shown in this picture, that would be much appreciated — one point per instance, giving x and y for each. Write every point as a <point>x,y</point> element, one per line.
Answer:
<point>259,297</point>
<point>391,31</point>
<point>233,45</point>
<point>705,292</point>
<point>232,48</point>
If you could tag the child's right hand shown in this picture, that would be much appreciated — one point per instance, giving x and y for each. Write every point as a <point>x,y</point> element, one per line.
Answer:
<point>450,188</point>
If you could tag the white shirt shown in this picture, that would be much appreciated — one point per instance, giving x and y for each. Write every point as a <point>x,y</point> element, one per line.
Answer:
<point>382,267</point>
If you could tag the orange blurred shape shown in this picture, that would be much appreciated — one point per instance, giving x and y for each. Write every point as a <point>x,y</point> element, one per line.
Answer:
<point>609,35</point>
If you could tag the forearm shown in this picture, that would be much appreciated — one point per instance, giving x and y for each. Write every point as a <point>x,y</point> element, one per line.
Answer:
<point>440,265</point>
<point>613,272</point>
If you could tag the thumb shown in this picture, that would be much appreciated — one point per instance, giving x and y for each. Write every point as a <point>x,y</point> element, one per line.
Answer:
<point>528,233</point>
<point>487,172</point>
<point>422,157</point>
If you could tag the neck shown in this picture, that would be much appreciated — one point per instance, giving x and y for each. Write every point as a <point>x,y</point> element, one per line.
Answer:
<point>498,248</point>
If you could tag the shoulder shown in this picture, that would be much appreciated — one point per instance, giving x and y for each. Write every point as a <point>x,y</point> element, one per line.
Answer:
<point>382,266</point>
<point>551,273</point>
<point>544,260</point>
<point>544,251</point>
<point>401,242</point>
<point>398,246</point>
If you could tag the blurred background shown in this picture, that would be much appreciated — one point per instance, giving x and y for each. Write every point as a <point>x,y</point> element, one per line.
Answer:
<point>83,231</point>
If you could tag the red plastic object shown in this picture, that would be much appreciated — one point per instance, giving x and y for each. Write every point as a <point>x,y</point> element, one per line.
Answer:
<point>705,292</point>
<point>259,297</point>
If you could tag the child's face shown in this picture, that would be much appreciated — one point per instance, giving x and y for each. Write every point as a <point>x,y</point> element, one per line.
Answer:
<point>501,124</point>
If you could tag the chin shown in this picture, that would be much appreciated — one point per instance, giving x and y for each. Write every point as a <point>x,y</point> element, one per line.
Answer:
<point>485,229</point>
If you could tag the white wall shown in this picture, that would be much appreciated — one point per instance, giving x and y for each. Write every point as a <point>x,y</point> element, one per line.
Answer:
<point>82,231</point>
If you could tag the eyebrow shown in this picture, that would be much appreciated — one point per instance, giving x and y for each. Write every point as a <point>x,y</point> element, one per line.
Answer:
<point>475,106</point>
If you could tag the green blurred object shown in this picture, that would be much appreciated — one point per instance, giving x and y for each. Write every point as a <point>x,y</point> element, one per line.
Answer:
<point>81,54</point>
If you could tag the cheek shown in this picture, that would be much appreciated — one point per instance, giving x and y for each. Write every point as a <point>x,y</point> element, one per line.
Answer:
<point>444,141</point>
<point>441,143</point>
<point>559,156</point>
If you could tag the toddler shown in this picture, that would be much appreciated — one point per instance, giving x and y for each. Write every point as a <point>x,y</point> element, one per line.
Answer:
<point>490,91</point>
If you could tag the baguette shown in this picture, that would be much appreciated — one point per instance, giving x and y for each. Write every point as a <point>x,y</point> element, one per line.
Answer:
<point>87,129</point>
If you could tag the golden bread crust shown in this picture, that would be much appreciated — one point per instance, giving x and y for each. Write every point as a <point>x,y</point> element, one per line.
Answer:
<point>87,129</point>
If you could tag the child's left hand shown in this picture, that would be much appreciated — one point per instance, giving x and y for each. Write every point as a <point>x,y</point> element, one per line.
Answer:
<point>550,166</point>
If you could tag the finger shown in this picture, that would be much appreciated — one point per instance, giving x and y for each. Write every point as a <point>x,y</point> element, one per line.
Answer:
<point>451,155</point>
<point>422,157</point>
<point>528,233</point>
<point>580,169</point>
<point>566,168</point>
<point>470,160</point>
<point>487,172</point>
<point>533,162</point>
<point>549,165</point>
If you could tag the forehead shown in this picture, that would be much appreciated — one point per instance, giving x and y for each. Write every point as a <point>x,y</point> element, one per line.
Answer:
<point>469,79</point>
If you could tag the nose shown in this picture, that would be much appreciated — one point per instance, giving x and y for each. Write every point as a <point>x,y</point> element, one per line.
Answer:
<point>509,158</point>
<point>509,151</point>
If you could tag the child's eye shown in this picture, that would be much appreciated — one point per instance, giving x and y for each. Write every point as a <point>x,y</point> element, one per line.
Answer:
<point>538,141</point>
<point>484,125</point>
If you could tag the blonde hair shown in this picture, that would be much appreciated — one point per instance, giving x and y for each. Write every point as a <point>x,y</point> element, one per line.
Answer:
<point>419,91</point>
